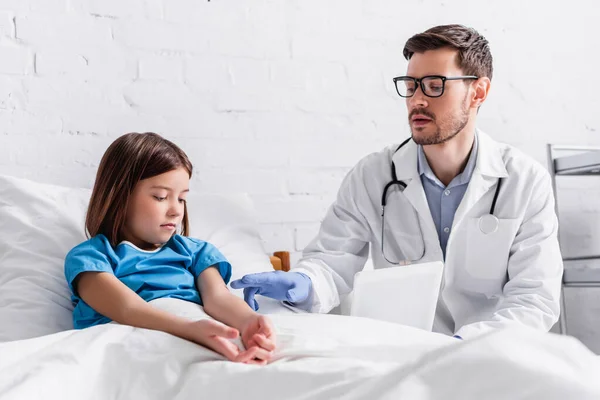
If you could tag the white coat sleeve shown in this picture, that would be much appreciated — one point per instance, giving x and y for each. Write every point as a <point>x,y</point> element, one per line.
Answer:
<point>535,269</point>
<point>339,250</point>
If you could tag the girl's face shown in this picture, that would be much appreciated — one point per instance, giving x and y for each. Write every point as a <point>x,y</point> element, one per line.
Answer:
<point>156,208</point>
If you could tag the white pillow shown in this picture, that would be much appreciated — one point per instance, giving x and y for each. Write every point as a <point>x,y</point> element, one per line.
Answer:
<point>229,222</point>
<point>40,223</point>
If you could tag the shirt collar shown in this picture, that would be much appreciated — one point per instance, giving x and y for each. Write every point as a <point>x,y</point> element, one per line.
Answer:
<point>141,250</point>
<point>464,177</point>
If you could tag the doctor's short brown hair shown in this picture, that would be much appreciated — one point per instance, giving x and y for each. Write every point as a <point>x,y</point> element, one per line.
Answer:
<point>474,56</point>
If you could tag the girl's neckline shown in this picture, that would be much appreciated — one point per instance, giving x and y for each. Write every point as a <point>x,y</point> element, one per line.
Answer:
<point>138,249</point>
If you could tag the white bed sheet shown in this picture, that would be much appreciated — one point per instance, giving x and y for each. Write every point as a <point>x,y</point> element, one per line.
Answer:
<point>319,357</point>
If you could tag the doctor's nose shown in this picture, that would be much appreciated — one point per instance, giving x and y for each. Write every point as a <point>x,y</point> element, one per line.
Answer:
<point>417,100</point>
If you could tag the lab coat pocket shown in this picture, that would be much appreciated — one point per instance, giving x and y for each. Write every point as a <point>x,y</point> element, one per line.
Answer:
<point>487,256</point>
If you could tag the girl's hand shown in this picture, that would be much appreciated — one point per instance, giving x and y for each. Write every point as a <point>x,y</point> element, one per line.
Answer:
<point>258,332</point>
<point>217,337</point>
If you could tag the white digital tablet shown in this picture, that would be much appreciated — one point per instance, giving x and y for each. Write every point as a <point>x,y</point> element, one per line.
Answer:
<point>405,295</point>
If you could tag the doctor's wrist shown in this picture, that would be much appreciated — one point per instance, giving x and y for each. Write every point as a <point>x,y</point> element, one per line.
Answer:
<point>303,288</point>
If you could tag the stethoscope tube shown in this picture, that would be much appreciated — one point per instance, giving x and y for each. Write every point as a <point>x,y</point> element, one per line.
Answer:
<point>394,180</point>
<point>493,207</point>
<point>488,223</point>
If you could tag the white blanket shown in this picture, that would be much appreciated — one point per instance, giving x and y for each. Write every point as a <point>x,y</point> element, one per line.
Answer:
<point>319,357</point>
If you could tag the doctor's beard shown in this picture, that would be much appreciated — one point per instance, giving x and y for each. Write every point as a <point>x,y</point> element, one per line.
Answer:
<point>446,129</point>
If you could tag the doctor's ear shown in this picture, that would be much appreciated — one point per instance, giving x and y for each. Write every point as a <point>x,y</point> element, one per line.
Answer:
<point>482,88</point>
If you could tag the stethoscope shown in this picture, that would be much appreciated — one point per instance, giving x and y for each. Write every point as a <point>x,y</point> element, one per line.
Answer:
<point>488,223</point>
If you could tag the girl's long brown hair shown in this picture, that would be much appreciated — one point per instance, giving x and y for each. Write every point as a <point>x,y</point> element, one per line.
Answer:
<point>128,160</point>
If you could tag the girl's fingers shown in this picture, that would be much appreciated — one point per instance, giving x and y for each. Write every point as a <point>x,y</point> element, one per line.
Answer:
<point>263,342</point>
<point>251,343</point>
<point>256,361</point>
<point>245,356</point>
<point>262,354</point>
<point>219,329</point>
<point>260,346</point>
<point>224,347</point>
<point>265,326</point>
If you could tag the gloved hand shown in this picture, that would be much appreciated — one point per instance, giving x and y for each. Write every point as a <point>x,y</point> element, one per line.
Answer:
<point>290,286</point>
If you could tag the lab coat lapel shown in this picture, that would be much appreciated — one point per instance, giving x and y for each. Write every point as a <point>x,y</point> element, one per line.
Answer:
<point>489,167</point>
<point>405,160</point>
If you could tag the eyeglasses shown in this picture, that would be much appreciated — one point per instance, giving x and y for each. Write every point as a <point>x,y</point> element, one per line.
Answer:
<point>431,85</point>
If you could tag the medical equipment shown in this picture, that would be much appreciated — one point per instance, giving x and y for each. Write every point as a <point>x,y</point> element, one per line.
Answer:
<point>487,223</point>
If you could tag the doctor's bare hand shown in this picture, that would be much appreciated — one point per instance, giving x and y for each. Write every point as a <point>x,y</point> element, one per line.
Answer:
<point>294,287</point>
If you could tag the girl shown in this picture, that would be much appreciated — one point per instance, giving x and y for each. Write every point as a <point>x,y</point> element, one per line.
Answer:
<point>135,255</point>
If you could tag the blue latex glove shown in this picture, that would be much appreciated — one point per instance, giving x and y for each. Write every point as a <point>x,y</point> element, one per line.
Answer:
<point>289,286</point>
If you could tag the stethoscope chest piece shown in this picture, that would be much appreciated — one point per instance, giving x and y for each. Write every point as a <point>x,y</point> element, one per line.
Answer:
<point>488,224</point>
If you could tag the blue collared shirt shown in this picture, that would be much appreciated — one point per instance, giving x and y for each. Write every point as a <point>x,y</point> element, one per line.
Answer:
<point>444,200</point>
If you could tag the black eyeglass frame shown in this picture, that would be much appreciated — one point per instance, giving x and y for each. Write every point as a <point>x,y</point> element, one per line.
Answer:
<point>419,83</point>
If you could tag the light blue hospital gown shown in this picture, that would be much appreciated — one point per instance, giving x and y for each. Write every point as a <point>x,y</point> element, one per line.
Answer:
<point>169,271</point>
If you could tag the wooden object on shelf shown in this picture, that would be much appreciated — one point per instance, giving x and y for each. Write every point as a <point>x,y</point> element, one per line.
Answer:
<point>281,261</point>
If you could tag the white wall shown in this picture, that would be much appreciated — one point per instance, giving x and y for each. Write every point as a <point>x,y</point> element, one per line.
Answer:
<point>280,98</point>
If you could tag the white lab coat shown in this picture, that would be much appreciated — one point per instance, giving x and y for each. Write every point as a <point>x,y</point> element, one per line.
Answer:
<point>509,278</point>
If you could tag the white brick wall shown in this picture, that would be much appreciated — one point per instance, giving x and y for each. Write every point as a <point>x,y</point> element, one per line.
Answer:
<point>15,61</point>
<point>7,24</point>
<point>281,98</point>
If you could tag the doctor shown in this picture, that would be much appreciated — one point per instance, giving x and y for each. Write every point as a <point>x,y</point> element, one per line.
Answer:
<point>452,193</point>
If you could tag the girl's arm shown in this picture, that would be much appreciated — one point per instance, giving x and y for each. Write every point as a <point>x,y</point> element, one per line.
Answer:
<point>112,298</point>
<point>224,306</point>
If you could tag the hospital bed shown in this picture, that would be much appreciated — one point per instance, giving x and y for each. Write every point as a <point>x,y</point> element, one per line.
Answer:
<point>318,356</point>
